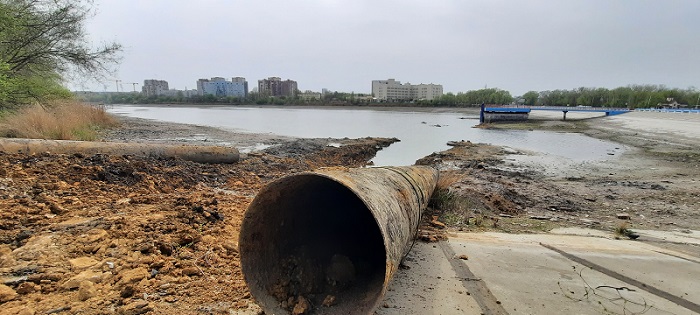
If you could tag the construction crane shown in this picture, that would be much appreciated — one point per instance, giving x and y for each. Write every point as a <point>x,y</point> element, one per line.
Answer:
<point>133,84</point>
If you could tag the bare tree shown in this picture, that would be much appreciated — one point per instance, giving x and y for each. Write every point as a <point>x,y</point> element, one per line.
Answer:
<point>48,36</point>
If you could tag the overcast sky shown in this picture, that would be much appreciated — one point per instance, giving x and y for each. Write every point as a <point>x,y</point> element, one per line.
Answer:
<point>461,44</point>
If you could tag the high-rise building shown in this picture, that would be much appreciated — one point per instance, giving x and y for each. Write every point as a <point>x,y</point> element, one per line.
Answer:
<point>392,90</point>
<point>241,80</point>
<point>154,87</point>
<point>220,87</point>
<point>274,86</point>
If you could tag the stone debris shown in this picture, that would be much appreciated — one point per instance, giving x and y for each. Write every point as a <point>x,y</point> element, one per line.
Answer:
<point>329,300</point>
<point>623,216</point>
<point>86,290</point>
<point>301,307</point>
<point>7,293</point>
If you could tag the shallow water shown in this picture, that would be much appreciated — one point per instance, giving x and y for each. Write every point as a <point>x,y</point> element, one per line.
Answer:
<point>421,133</point>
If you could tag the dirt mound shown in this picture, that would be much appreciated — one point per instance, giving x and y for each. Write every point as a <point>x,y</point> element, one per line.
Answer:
<point>104,234</point>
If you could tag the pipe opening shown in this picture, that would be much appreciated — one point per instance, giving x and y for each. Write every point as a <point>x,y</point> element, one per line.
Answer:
<point>310,236</point>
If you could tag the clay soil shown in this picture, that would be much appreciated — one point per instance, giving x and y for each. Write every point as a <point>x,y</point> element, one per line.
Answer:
<point>129,235</point>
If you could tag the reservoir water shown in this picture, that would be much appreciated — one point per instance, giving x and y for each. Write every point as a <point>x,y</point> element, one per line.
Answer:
<point>421,133</point>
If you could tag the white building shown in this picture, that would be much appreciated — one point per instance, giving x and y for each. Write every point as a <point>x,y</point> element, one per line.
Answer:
<point>392,90</point>
<point>154,87</point>
<point>310,95</point>
<point>183,93</point>
<point>426,91</point>
<point>220,87</point>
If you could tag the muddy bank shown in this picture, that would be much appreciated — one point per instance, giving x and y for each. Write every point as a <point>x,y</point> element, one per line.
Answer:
<point>151,131</point>
<point>652,183</point>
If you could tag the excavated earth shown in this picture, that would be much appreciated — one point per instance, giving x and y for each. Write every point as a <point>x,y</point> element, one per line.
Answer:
<point>98,234</point>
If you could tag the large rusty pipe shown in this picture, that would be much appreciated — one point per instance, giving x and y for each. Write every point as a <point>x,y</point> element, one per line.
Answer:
<point>195,153</point>
<point>329,242</point>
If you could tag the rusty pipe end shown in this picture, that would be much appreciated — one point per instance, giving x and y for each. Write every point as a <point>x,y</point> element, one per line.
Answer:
<point>331,240</point>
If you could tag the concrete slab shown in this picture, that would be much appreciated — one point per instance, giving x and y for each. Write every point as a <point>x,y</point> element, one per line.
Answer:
<point>581,232</point>
<point>430,286</point>
<point>528,278</point>
<point>677,236</point>
<point>674,275</point>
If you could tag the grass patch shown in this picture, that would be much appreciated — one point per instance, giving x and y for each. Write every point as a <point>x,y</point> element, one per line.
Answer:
<point>623,230</point>
<point>442,197</point>
<point>59,120</point>
<point>451,208</point>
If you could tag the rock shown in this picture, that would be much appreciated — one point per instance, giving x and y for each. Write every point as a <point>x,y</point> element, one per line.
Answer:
<point>133,275</point>
<point>35,247</point>
<point>59,309</point>
<point>589,221</point>
<point>13,280</point>
<point>27,287</point>
<point>82,263</point>
<point>7,293</point>
<point>191,271</point>
<point>56,208</point>
<point>623,216</point>
<point>231,247</point>
<point>463,257</point>
<point>537,217</point>
<point>87,275</point>
<point>27,311</point>
<point>437,224</point>
<point>302,306</point>
<point>329,300</point>
<point>95,235</point>
<point>74,222</point>
<point>6,257</point>
<point>86,290</point>
<point>208,239</point>
<point>127,292</point>
<point>135,308</point>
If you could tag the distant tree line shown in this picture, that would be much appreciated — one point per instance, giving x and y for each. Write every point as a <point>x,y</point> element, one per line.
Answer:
<point>474,97</point>
<point>633,96</point>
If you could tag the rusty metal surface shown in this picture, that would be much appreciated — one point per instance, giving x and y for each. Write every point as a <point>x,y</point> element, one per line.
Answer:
<point>201,154</point>
<point>281,220</point>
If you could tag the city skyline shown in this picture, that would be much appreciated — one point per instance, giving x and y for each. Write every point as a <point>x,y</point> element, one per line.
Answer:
<point>515,46</point>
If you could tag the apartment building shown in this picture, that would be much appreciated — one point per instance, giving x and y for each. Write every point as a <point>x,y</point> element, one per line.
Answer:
<point>392,90</point>
<point>154,87</point>
<point>220,87</point>
<point>274,86</point>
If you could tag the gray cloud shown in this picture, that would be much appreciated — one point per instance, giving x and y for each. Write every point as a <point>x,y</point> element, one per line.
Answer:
<point>464,45</point>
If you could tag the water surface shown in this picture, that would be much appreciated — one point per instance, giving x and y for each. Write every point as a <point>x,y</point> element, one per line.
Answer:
<point>421,133</point>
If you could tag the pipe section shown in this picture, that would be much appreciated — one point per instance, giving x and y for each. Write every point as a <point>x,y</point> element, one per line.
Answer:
<point>195,153</point>
<point>329,242</point>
